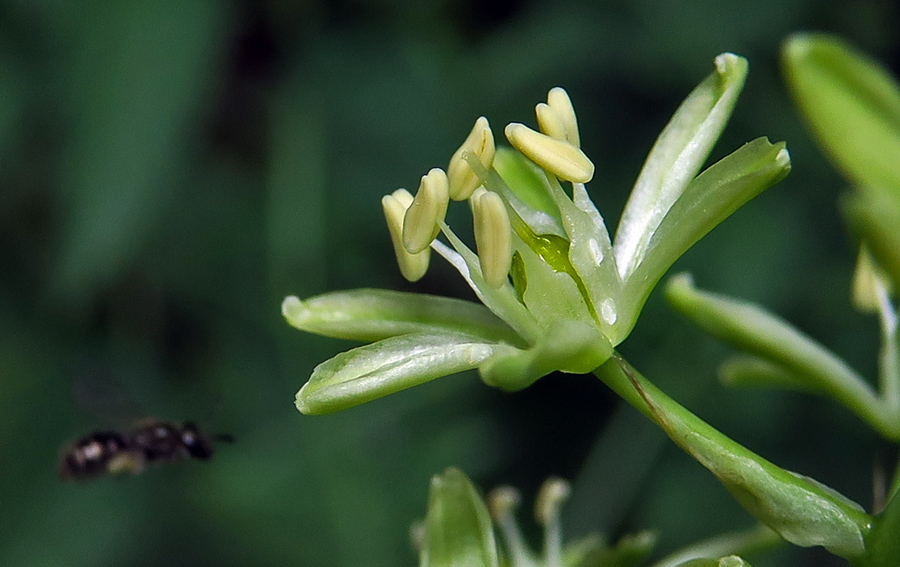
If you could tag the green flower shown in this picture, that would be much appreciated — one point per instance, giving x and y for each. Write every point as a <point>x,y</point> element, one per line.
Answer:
<point>459,530</point>
<point>557,292</point>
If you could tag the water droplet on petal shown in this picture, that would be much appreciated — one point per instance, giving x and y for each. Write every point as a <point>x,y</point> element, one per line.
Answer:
<point>608,311</point>
<point>596,251</point>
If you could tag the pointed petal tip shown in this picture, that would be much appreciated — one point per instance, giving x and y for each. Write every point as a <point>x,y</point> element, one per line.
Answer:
<point>783,158</point>
<point>293,310</point>
<point>300,402</point>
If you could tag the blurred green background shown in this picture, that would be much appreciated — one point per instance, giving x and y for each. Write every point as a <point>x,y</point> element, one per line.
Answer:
<point>170,170</point>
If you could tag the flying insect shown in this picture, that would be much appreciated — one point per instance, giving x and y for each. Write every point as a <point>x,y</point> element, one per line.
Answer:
<point>149,441</point>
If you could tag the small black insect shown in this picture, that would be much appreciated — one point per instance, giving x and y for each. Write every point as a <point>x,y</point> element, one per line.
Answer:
<point>150,441</point>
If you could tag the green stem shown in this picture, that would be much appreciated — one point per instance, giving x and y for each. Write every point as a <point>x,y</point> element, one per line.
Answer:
<point>800,510</point>
<point>889,359</point>
<point>628,383</point>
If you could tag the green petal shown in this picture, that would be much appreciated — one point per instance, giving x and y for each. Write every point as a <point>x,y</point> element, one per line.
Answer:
<point>526,181</point>
<point>551,292</point>
<point>676,157</point>
<point>851,104</point>
<point>501,301</point>
<point>458,530</point>
<point>755,372</point>
<point>590,257</point>
<point>375,314</point>
<point>372,371</point>
<point>567,345</point>
<point>709,199</point>
<point>526,190</point>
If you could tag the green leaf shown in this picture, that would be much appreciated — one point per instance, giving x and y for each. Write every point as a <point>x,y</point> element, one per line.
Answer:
<point>883,542</point>
<point>676,157</point>
<point>139,77</point>
<point>709,199</point>
<point>372,371</point>
<point>458,531</point>
<point>851,104</point>
<point>375,314</point>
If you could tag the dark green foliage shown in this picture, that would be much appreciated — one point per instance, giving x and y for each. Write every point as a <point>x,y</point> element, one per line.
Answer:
<point>170,171</point>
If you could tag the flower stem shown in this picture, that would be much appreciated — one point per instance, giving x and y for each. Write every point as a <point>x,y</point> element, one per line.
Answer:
<point>800,510</point>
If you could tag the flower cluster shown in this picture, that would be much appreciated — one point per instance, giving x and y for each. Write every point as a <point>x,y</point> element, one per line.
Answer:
<point>558,292</point>
<point>459,530</point>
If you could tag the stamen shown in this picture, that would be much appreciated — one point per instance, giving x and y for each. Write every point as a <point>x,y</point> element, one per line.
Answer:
<point>558,99</point>
<point>502,503</point>
<point>462,179</point>
<point>553,493</point>
<point>421,223</point>
<point>550,122</point>
<point>412,266</point>
<point>560,158</point>
<point>865,283</point>
<point>493,236</point>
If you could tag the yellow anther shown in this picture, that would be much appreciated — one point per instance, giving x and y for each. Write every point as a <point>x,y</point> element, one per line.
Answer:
<point>551,496</point>
<point>493,236</point>
<point>503,501</point>
<point>428,209</point>
<point>549,122</point>
<point>869,285</point>
<point>412,266</point>
<point>560,158</point>
<point>558,99</point>
<point>462,179</point>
